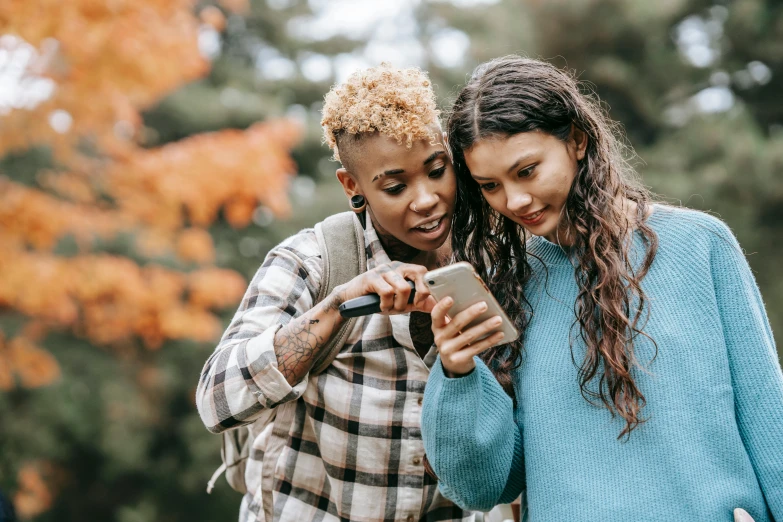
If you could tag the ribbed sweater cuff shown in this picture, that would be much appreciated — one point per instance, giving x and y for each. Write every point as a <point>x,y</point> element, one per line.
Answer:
<point>464,384</point>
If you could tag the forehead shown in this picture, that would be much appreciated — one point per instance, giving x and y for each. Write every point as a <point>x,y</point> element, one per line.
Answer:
<point>495,154</point>
<point>376,153</point>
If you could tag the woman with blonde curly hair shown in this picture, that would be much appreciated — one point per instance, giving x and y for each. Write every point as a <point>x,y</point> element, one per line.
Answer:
<point>645,384</point>
<point>353,450</point>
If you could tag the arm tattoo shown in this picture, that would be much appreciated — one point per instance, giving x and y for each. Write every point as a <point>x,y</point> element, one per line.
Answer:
<point>297,343</point>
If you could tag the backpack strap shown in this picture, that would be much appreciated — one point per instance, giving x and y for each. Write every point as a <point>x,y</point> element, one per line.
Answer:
<point>341,241</point>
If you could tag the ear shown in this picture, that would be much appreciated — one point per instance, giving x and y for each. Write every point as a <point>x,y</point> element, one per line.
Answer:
<point>346,179</point>
<point>580,140</point>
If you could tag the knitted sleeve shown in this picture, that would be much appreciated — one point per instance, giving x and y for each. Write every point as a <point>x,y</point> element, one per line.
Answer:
<point>471,438</point>
<point>755,371</point>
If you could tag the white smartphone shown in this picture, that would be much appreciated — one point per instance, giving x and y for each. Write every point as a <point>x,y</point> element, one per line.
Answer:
<point>461,282</point>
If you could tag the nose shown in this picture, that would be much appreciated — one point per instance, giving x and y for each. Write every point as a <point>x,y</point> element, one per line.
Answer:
<point>424,202</point>
<point>518,201</point>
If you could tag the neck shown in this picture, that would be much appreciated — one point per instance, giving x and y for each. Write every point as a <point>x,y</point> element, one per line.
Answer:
<point>564,236</point>
<point>433,259</point>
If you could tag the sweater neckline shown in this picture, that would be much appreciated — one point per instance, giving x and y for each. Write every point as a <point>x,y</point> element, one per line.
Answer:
<point>554,254</point>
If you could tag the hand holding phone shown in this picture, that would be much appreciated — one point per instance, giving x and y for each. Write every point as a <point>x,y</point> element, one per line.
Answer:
<point>467,319</point>
<point>392,288</point>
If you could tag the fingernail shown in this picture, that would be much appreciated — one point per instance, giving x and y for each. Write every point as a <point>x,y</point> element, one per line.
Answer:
<point>496,321</point>
<point>483,306</point>
<point>449,301</point>
<point>740,515</point>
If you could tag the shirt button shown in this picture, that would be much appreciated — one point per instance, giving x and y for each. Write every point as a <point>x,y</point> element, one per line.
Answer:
<point>416,461</point>
<point>421,401</point>
<point>410,518</point>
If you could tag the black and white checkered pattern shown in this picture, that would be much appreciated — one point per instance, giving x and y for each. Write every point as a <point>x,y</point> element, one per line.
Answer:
<point>354,450</point>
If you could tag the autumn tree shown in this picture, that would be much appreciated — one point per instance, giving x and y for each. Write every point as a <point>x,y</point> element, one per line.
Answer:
<point>105,240</point>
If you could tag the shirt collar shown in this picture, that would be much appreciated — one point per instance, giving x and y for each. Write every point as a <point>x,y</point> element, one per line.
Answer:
<point>376,255</point>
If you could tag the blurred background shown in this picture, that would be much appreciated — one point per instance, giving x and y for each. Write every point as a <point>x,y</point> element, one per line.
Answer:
<point>152,151</point>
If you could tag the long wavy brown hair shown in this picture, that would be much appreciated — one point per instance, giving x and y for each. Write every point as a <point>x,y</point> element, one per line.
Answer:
<point>511,95</point>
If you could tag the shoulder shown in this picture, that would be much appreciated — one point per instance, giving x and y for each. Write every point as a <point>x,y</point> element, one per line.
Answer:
<point>303,245</point>
<point>691,225</point>
<point>695,232</point>
<point>298,254</point>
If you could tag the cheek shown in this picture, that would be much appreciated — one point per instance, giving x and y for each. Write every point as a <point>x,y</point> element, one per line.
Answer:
<point>497,200</point>
<point>448,189</point>
<point>569,175</point>
<point>388,213</point>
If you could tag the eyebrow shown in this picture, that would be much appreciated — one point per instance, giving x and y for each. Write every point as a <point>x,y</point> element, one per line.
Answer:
<point>522,159</point>
<point>432,156</point>
<point>393,172</point>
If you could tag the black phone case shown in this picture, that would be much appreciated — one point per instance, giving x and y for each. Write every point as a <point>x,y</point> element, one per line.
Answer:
<point>368,304</point>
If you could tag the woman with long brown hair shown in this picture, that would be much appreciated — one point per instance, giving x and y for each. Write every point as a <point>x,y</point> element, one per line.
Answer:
<point>645,384</point>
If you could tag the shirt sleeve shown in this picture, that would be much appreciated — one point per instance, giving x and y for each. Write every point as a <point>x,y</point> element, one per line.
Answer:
<point>755,370</point>
<point>471,439</point>
<point>241,380</point>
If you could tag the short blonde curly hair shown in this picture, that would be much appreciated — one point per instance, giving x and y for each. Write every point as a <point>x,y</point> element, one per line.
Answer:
<point>398,103</point>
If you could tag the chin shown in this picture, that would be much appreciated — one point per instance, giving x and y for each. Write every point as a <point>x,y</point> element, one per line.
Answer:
<point>427,246</point>
<point>542,229</point>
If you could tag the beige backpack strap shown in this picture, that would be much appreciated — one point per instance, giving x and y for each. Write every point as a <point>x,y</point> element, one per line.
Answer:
<point>341,241</point>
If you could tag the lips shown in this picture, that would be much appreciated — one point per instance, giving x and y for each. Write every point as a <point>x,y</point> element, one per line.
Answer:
<point>429,226</point>
<point>432,230</point>
<point>533,217</point>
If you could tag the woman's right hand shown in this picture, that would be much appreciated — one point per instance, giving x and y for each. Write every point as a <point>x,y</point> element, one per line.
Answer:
<point>390,282</point>
<point>456,345</point>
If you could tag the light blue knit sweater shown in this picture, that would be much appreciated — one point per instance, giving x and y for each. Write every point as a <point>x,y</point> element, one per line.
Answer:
<point>714,438</point>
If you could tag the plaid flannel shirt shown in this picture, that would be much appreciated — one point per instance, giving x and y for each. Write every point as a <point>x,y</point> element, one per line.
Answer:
<point>354,451</point>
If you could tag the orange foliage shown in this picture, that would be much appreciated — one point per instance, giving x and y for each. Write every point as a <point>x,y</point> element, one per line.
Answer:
<point>105,61</point>
<point>192,180</point>
<point>21,359</point>
<point>213,17</point>
<point>108,299</point>
<point>214,288</point>
<point>34,495</point>
<point>195,244</point>
<point>39,220</point>
<point>108,60</point>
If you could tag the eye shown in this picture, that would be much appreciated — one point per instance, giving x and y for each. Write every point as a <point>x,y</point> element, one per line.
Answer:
<point>394,189</point>
<point>435,174</point>
<point>526,172</point>
<point>489,187</point>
